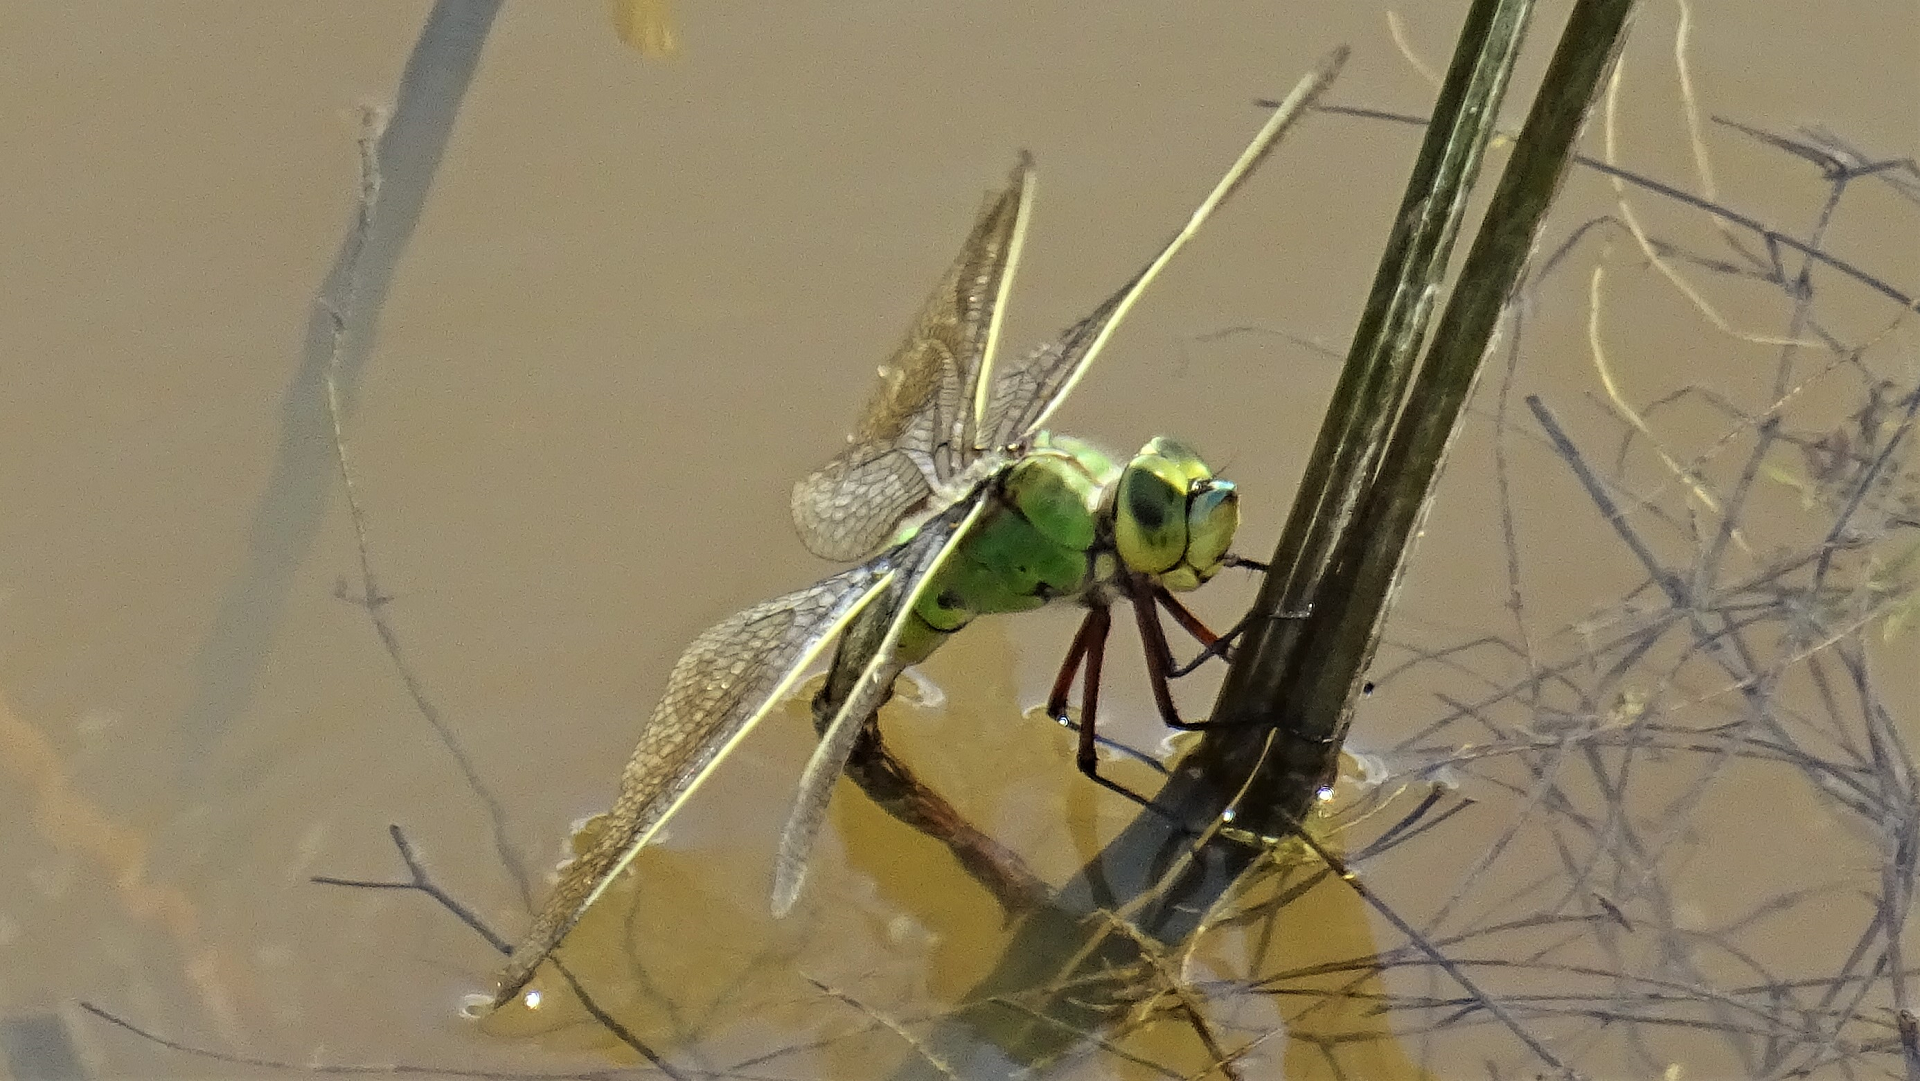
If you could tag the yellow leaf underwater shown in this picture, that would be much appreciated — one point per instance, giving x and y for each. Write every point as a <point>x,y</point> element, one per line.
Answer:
<point>646,25</point>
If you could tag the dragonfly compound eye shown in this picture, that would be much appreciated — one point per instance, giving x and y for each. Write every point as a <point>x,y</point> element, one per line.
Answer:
<point>1149,520</point>
<point>1150,511</point>
<point>1213,514</point>
<point>1172,519</point>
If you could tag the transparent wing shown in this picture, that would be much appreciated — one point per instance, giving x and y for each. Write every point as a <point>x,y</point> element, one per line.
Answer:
<point>726,681</point>
<point>918,561</point>
<point>919,429</point>
<point>1023,396</point>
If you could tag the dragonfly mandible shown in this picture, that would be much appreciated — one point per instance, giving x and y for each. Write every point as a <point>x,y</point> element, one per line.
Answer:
<point>960,503</point>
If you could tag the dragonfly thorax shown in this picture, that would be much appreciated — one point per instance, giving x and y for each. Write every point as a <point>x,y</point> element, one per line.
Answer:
<point>1068,523</point>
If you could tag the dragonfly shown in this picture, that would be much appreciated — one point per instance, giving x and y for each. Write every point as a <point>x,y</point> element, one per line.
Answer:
<point>956,501</point>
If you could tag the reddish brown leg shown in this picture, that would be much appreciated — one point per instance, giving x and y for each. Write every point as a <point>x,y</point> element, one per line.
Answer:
<point>1215,645</point>
<point>1086,757</point>
<point>1090,647</point>
<point>1063,683</point>
<point>1099,619</point>
<point>1153,640</point>
<point>1187,620</point>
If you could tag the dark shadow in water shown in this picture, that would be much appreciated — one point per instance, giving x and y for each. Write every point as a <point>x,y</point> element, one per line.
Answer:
<point>292,507</point>
<point>38,1049</point>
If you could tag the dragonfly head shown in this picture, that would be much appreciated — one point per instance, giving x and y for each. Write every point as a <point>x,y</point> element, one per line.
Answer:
<point>1173,520</point>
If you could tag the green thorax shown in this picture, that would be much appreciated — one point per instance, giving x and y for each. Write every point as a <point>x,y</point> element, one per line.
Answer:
<point>1065,521</point>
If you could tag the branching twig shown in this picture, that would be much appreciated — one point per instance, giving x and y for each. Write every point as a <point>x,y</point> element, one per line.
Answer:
<point>372,122</point>
<point>419,879</point>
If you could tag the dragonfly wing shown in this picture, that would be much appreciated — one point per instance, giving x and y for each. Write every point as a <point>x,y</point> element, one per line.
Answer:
<point>918,430</point>
<point>723,685</point>
<point>1023,396</point>
<point>920,559</point>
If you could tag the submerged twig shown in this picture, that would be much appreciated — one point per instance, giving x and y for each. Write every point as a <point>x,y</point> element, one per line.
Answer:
<point>418,879</point>
<point>372,123</point>
<point>892,1025</point>
<point>334,1068</point>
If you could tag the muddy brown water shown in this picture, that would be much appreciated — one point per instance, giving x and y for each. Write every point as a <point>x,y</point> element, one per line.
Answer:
<point>644,295</point>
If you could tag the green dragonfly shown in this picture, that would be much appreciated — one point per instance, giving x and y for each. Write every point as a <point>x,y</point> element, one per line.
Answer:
<point>961,504</point>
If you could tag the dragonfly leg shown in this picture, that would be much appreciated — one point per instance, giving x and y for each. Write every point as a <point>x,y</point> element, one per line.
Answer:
<point>1070,667</point>
<point>1181,615</point>
<point>1153,642</point>
<point>1089,646</point>
<point>1098,620</point>
<point>1221,646</point>
<point>1213,645</point>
